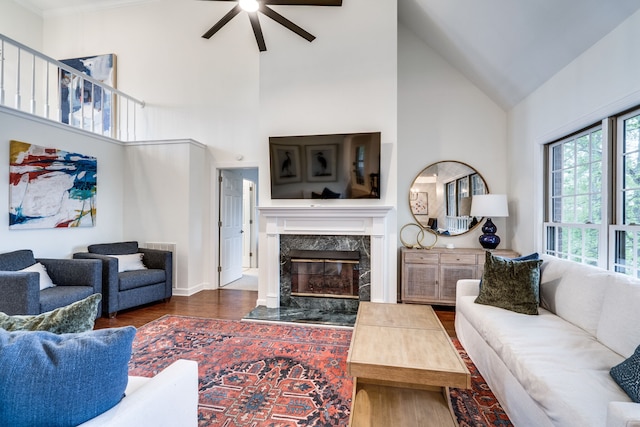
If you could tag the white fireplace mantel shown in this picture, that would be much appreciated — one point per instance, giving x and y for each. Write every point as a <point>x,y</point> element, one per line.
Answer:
<point>323,220</point>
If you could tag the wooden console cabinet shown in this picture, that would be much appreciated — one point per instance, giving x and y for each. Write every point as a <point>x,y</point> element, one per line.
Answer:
<point>429,276</point>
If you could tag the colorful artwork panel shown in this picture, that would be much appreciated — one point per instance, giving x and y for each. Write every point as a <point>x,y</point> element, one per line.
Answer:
<point>50,188</point>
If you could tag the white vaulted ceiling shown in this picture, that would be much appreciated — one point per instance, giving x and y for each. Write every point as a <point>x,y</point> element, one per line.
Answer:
<point>507,48</point>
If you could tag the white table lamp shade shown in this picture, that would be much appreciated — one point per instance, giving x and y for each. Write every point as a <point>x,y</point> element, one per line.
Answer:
<point>489,205</point>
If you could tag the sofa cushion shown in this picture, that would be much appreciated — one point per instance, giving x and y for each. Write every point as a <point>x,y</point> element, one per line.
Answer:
<point>77,317</point>
<point>573,291</point>
<point>118,248</point>
<point>130,262</point>
<point>627,375</point>
<point>620,315</point>
<point>61,380</point>
<point>510,284</point>
<point>45,280</point>
<point>60,296</point>
<point>138,278</point>
<point>16,260</point>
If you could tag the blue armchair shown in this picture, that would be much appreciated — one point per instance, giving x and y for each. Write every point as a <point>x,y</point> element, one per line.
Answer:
<point>20,291</point>
<point>127,289</point>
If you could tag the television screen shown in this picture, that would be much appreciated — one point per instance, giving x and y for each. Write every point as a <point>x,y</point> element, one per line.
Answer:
<point>338,166</point>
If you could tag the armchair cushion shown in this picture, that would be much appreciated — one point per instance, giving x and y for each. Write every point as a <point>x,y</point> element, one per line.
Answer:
<point>73,318</point>
<point>62,380</point>
<point>45,280</point>
<point>138,278</point>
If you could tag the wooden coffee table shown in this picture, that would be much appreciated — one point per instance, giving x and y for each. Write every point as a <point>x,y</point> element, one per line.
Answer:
<point>403,362</point>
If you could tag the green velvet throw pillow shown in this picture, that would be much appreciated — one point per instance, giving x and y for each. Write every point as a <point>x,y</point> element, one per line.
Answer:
<point>511,284</point>
<point>73,318</point>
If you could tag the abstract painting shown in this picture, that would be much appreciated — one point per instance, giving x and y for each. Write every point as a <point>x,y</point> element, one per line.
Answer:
<point>81,104</point>
<point>50,188</point>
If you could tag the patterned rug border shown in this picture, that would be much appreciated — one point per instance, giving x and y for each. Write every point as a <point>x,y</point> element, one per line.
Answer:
<point>272,322</point>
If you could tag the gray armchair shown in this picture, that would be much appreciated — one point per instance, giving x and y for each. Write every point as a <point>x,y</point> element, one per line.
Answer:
<point>20,291</point>
<point>127,289</point>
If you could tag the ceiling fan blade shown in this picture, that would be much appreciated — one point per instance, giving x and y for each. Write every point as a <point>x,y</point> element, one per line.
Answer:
<point>257,30</point>
<point>304,2</point>
<point>286,23</point>
<point>226,18</point>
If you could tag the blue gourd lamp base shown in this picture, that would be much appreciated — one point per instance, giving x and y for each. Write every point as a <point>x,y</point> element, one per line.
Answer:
<point>489,240</point>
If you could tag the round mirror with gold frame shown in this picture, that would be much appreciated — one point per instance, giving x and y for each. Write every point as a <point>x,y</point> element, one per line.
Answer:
<point>440,197</point>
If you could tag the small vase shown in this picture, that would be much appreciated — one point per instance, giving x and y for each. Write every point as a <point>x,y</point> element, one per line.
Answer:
<point>489,240</point>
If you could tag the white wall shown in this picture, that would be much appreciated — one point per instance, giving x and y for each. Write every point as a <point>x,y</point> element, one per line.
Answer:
<point>205,90</point>
<point>344,81</point>
<point>166,201</point>
<point>602,81</point>
<point>62,242</point>
<point>21,24</point>
<point>443,116</point>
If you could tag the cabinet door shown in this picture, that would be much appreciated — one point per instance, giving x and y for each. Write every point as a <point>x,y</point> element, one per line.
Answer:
<point>449,276</point>
<point>419,282</point>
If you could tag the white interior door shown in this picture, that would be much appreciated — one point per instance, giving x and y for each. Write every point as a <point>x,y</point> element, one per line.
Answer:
<point>230,225</point>
<point>247,224</point>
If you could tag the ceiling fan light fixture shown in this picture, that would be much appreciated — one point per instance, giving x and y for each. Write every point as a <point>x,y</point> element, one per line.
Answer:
<point>249,5</point>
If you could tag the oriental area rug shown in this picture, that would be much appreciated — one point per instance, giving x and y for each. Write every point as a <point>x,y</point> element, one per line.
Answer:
<point>255,374</point>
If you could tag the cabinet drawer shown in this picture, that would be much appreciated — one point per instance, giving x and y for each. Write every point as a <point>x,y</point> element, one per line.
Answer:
<point>458,259</point>
<point>420,258</point>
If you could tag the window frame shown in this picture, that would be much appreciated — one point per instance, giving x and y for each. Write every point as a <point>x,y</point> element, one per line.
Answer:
<point>556,230</point>
<point>612,224</point>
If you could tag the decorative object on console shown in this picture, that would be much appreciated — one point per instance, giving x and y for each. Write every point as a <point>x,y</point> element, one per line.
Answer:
<point>50,188</point>
<point>419,237</point>
<point>489,205</point>
<point>252,7</point>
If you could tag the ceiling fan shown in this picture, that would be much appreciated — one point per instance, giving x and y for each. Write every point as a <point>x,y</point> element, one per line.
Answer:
<point>252,7</point>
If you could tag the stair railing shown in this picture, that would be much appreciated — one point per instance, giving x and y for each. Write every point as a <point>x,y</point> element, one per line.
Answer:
<point>52,86</point>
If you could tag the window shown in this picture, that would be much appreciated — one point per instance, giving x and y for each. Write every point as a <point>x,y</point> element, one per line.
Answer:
<point>626,230</point>
<point>579,197</point>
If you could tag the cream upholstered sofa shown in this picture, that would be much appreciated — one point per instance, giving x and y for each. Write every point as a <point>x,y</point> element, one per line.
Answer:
<point>552,369</point>
<point>170,399</point>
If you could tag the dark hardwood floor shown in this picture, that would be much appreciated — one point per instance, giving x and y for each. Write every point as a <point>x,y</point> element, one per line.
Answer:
<point>227,304</point>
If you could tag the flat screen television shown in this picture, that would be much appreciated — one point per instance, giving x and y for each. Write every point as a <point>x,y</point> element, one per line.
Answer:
<point>336,166</point>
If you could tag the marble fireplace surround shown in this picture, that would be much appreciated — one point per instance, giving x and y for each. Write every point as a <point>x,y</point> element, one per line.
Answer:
<point>323,220</point>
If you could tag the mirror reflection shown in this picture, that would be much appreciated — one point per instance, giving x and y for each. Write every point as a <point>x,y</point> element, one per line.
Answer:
<point>440,197</point>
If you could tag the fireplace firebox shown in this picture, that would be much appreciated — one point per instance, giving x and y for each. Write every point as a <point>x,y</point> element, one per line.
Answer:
<point>332,274</point>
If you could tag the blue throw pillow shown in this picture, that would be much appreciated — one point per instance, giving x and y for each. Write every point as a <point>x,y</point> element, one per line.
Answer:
<point>627,375</point>
<point>62,380</point>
